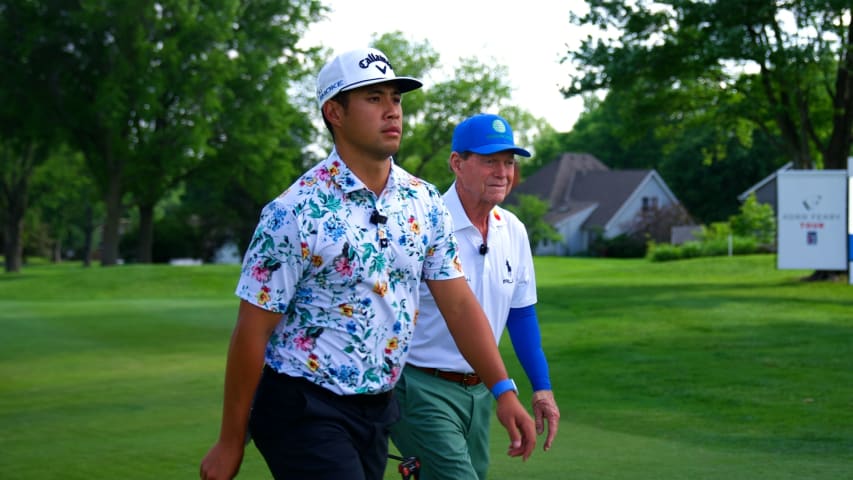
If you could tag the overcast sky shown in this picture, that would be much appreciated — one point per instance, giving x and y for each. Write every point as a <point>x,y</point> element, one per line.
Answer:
<point>528,37</point>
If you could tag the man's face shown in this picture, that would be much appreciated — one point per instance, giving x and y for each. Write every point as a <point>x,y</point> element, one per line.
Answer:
<point>371,121</point>
<point>485,179</point>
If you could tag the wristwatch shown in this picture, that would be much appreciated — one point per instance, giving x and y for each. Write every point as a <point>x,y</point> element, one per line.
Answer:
<point>504,386</point>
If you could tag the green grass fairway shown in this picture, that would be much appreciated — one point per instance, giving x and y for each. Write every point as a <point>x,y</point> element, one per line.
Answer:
<point>712,368</point>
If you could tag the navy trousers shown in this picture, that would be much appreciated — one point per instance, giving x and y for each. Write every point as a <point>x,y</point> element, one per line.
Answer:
<point>305,431</point>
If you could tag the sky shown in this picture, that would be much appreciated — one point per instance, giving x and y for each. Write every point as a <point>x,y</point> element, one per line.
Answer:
<point>528,37</point>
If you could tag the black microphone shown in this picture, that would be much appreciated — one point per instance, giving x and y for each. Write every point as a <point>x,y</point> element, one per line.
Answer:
<point>376,218</point>
<point>483,249</point>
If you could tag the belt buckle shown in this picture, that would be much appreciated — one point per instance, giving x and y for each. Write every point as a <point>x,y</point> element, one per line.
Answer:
<point>466,377</point>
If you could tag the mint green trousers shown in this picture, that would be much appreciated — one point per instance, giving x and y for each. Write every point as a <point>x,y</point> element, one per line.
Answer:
<point>444,424</point>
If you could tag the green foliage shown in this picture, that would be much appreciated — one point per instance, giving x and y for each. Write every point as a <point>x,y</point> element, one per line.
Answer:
<point>756,220</point>
<point>709,185</point>
<point>151,92</point>
<point>661,252</point>
<point>715,231</point>
<point>431,114</point>
<point>666,55</point>
<point>66,202</point>
<point>620,246</point>
<point>174,237</point>
<point>615,130</point>
<point>531,211</point>
<point>753,230</point>
<point>702,153</point>
<point>211,99</point>
<point>715,247</point>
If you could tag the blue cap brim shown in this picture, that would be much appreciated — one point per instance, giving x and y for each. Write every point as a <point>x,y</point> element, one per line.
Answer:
<point>500,147</point>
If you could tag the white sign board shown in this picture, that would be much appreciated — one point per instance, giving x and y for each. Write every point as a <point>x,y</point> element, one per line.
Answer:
<point>850,219</point>
<point>812,219</point>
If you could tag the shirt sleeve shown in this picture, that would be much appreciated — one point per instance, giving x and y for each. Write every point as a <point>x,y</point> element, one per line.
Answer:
<point>274,260</point>
<point>441,261</point>
<point>523,327</point>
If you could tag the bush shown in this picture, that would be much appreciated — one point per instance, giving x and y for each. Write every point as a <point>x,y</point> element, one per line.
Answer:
<point>663,252</point>
<point>755,220</point>
<point>692,249</point>
<point>715,247</point>
<point>715,231</point>
<point>620,246</point>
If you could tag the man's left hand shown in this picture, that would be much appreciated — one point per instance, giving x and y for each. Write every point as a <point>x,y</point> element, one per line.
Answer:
<point>545,410</point>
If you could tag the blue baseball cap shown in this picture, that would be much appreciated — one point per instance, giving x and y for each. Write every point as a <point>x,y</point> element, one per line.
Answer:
<point>485,134</point>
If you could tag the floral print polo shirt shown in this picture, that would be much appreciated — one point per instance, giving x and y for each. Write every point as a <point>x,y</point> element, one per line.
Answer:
<point>343,268</point>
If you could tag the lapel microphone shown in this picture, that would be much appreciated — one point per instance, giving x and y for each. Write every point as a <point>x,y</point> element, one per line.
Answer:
<point>483,249</point>
<point>376,218</point>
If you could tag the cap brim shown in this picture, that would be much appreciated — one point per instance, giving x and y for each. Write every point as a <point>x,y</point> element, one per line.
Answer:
<point>500,147</point>
<point>406,84</point>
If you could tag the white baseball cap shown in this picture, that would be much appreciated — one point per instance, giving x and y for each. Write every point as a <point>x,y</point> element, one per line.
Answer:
<point>358,68</point>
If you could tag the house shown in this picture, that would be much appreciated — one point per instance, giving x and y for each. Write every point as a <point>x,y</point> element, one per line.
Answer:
<point>587,199</point>
<point>765,190</point>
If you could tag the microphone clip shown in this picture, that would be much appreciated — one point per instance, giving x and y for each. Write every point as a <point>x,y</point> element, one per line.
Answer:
<point>376,218</point>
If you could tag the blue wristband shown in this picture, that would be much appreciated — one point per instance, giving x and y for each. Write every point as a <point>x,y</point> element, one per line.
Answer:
<point>504,386</point>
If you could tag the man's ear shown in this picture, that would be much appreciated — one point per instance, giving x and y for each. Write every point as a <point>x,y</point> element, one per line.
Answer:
<point>454,161</point>
<point>333,111</point>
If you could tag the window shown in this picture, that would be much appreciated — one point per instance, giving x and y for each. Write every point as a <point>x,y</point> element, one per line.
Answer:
<point>650,203</point>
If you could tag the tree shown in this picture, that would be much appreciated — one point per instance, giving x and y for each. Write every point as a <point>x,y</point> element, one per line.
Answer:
<point>27,136</point>
<point>755,220</point>
<point>656,224</point>
<point>17,163</point>
<point>432,113</point>
<point>140,85</point>
<point>687,135</point>
<point>801,53</point>
<point>616,130</point>
<point>531,211</point>
<point>65,204</point>
<point>239,70</point>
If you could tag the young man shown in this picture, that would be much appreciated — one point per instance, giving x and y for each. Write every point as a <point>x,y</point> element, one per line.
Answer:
<point>329,297</point>
<point>445,407</point>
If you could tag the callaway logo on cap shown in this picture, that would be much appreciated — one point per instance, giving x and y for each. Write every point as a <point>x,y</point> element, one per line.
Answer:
<point>359,68</point>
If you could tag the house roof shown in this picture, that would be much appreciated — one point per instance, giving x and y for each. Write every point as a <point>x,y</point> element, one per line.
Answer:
<point>610,189</point>
<point>575,181</point>
<point>764,181</point>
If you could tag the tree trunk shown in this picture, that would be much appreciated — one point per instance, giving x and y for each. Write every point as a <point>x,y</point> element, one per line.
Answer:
<point>112,222</point>
<point>13,247</point>
<point>838,149</point>
<point>146,233</point>
<point>88,233</point>
<point>57,249</point>
<point>15,191</point>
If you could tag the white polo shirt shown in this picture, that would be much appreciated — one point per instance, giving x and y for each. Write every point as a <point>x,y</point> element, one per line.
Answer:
<point>501,279</point>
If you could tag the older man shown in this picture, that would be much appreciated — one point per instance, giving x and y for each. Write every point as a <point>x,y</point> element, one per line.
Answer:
<point>445,405</point>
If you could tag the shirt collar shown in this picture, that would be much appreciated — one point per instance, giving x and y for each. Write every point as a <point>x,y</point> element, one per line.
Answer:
<point>348,182</point>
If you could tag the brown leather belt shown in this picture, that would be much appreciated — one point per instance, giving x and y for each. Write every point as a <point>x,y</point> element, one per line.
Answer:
<point>467,379</point>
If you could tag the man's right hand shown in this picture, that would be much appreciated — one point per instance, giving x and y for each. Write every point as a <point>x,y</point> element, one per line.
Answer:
<point>221,462</point>
<point>518,424</point>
